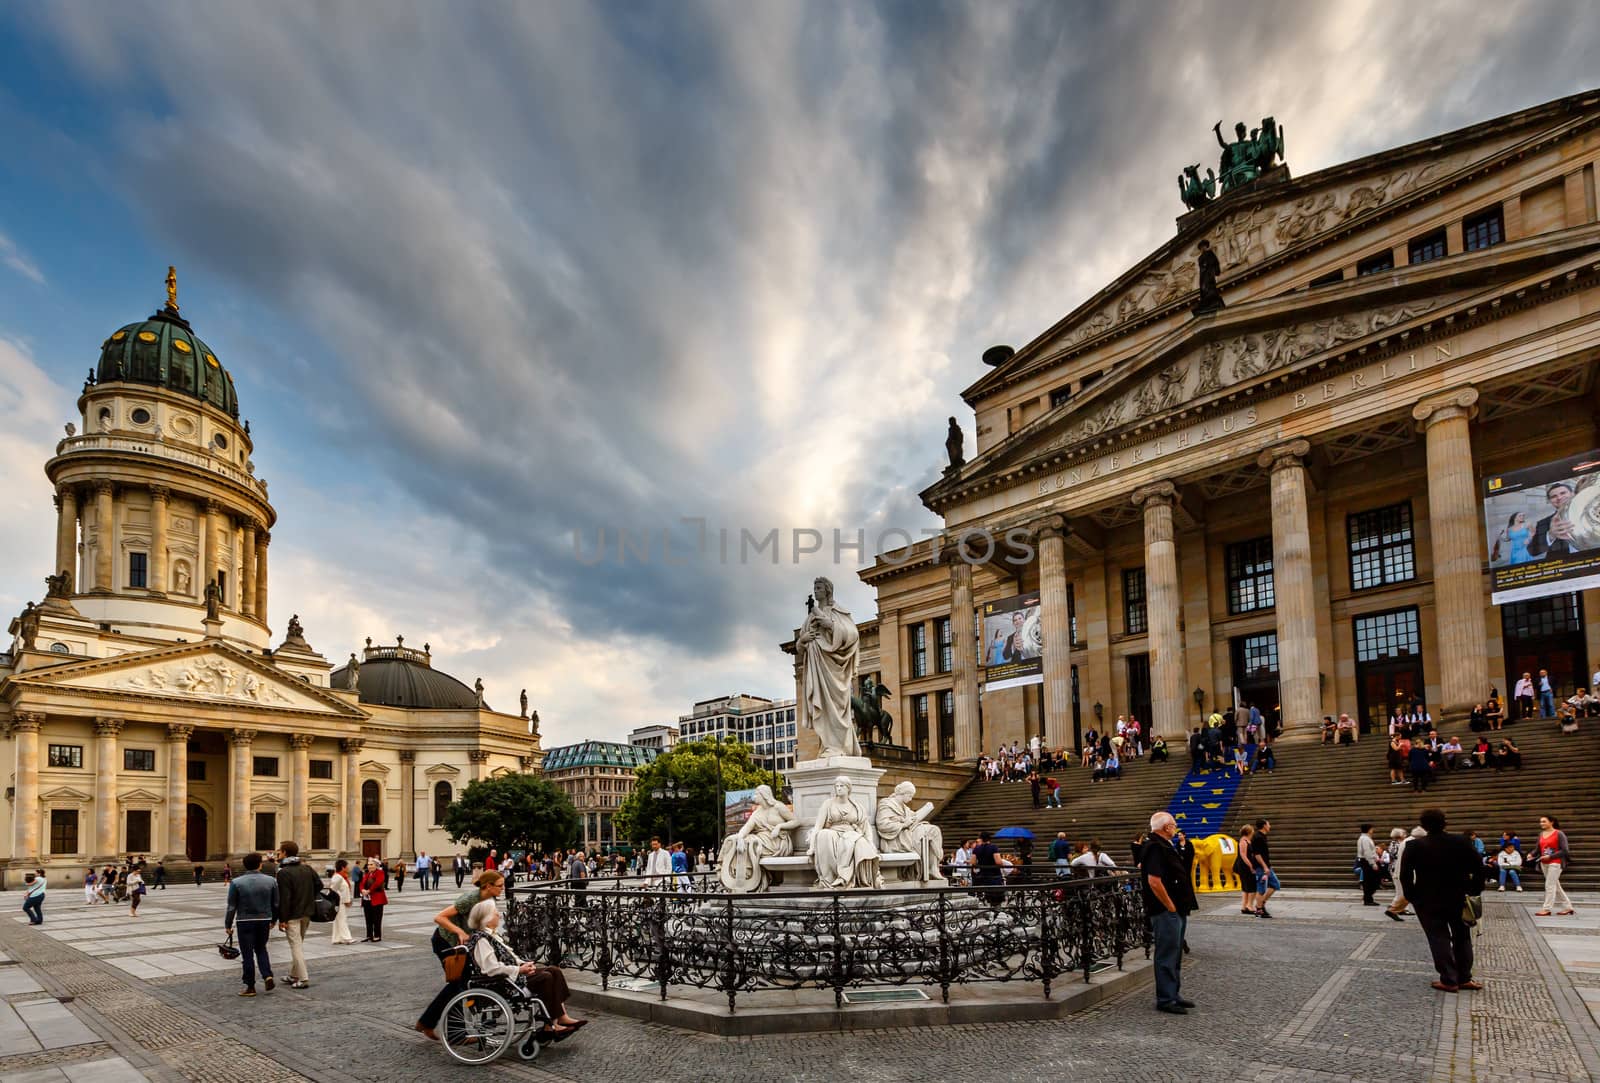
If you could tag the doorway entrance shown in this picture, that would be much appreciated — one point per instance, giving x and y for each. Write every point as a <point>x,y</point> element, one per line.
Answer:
<point>1255,675</point>
<point>195,843</point>
<point>1388,666</point>
<point>372,848</point>
<point>1546,633</point>
<point>1139,690</point>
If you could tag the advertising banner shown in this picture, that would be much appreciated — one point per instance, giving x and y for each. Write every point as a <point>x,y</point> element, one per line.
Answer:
<point>1012,644</point>
<point>1543,526</point>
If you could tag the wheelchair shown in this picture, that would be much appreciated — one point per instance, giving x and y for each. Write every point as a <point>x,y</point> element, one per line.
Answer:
<point>490,1016</point>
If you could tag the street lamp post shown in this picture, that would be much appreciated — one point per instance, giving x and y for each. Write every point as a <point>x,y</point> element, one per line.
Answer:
<point>669,795</point>
<point>720,798</point>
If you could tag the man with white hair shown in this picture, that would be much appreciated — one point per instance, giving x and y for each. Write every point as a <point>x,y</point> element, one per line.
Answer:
<point>1168,891</point>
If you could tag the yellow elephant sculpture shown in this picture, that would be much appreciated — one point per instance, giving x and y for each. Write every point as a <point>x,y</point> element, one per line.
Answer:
<point>1213,864</point>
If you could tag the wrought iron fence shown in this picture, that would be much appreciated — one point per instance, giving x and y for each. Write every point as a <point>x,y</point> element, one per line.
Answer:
<point>1042,930</point>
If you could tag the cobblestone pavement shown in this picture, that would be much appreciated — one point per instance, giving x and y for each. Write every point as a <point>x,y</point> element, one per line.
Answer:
<point>1326,991</point>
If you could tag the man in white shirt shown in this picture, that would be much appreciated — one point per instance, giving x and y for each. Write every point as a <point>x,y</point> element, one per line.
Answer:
<point>658,866</point>
<point>424,870</point>
<point>1367,856</point>
<point>963,864</point>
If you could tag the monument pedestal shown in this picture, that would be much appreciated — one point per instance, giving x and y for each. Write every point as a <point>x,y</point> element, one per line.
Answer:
<point>811,782</point>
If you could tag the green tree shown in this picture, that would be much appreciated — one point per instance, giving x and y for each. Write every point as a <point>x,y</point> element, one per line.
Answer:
<point>512,812</point>
<point>692,765</point>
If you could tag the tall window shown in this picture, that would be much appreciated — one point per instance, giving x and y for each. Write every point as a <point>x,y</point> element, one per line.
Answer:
<point>1382,549</point>
<point>919,649</point>
<point>1072,617</point>
<point>1258,656</point>
<point>63,831</point>
<point>1250,576</point>
<point>1383,261</point>
<point>138,759</point>
<point>919,723</point>
<point>266,830</point>
<point>1385,636</point>
<point>222,588</point>
<point>1135,618</point>
<point>941,634</point>
<point>1139,687</point>
<point>1430,246</point>
<point>137,569</point>
<point>1485,229</point>
<point>442,796</point>
<point>947,725</point>
<point>321,831</point>
<point>138,831</point>
<point>370,799</point>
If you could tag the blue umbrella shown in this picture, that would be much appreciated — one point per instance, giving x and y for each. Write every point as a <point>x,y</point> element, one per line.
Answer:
<point>1013,833</point>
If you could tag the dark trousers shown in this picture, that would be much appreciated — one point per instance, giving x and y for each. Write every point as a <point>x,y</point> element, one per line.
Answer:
<point>197,874</point>
<point>1450,941</point>
<point>253,949</point>
<point>374,919</point>
<point>460,876</point>
<point>437,873</point>
<point>1168,955</point>
<point>435,1010</point>
<point>33,906</point>
<point>1369,881</point>
<point>161,879</point>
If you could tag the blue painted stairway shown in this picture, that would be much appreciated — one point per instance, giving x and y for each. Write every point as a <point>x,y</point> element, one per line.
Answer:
<point>1202,800</point>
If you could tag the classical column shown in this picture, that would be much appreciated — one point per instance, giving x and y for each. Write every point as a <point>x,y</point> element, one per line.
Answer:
<point>241,831</point>
<point>247,583</point>
<point>178,790</point>
<point>25,727</point>
<point>103,540</point>
<point>969,739</point>
<point>1162,604</point>
<point>1056,624</point>
<point>299,773</point>
<point>105,787</point>
<point>262,538</point>
<point>351,746</point>
<point>159,508</point>
<point>213,542</point>
<point>479,757</point>
<point>408,803</point>
<point>67,533</point>
<point>1456,523</point>
<point>1294,593</point>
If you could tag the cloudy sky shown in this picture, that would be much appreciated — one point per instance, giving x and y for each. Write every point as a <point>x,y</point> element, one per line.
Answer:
<point>493,278</point>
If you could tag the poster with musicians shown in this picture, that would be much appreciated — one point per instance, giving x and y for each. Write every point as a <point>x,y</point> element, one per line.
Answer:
<point>1013,643</point>
<point>1543,526</point>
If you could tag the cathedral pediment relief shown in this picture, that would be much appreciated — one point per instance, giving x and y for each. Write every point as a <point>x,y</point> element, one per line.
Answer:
<point>209,671</point>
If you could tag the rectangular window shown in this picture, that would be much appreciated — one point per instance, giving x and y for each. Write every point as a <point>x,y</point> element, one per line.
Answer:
<point>63,831</point>
<point>1556,615</point>
<point>137,569</point>
<point>66,756</point>
<point>1072,617</point>
<point>941,633</point>
<point>1326,280</point>
<point>1382,637</point>
<point>138,831</point>
<point>1250,576</point>
<point>321,831</point>
<point>1430,246</point>
<point>1382,549</point>
<point>919,724</point>
<point>322,769</point>
<point>947,725</point>
<point>138,759</point>
<point>197,770</point>
<point>1258,656</point>
<point>1060,396</point>
<point>1135,620</point>
<point>265,767</point>
<point>919,649</point>
<point>1485,229</point>
<point>266,831</point>
<point>222,588</point>
<point>1372,265</point>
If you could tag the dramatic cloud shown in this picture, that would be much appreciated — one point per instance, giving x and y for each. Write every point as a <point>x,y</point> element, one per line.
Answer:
<point>18,261</point>
<point>538,270</point>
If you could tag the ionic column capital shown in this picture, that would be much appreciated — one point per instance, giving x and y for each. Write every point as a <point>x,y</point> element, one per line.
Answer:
<point>241,738</point>
<point>108,727</point>
<point>299,741</point>
<point>178,733</point>
<point>1290,453</point>
<point>1457,402</point>
<point>1157,494</point>
<point>352,744</point>
<point>1049,526</point>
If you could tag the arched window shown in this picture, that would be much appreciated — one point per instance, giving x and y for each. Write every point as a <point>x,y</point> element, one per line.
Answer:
<point>371,808</point>
<point>442,795</point>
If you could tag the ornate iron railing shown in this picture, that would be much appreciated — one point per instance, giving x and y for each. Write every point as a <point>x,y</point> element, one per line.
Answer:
<point>706,938</point>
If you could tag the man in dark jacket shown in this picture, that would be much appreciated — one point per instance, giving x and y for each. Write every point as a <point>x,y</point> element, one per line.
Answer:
<point>253,904</point>
<point>298,889</point>
<point>1167,886</point>
<point>1439,872</point>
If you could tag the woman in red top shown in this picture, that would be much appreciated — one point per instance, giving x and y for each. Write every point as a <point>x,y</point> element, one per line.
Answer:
<point>373,899</point>
<point>1553,859</point>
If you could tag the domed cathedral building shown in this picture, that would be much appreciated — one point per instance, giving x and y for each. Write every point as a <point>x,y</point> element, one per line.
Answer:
<point>1258,466</point>
<point>146,705</point>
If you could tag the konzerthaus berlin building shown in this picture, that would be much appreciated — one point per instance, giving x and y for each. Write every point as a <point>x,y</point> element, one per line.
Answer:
<point>141,716</point>
<point>1281,496</point>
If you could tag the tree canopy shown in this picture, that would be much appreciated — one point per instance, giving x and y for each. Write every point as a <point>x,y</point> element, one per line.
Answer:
<point>512,812</point>
<point>693,766</point>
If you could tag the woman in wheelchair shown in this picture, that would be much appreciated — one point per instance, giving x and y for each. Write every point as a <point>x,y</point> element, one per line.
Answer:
<point>492,958</point>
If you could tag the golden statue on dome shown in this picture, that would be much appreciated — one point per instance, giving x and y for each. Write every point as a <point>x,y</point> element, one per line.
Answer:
<point>172,288</point>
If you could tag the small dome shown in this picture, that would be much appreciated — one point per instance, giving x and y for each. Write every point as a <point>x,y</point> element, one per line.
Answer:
<point>401,677</point>
<point>164,351</point>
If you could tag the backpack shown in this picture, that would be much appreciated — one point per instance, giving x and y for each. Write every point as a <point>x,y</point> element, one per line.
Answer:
<point>327,907</point>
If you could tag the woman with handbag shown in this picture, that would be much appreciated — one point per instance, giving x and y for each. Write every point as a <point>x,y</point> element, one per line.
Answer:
<point>339,883</point>
<point>373,899</point>
<point>451,933</point>
<point>135,890</point>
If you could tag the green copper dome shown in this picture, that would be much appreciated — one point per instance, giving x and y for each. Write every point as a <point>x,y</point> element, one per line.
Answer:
<point>163,351</point>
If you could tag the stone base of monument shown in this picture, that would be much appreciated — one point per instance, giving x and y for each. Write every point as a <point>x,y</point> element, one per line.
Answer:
<point>811,782</point>
<point>798,873</point>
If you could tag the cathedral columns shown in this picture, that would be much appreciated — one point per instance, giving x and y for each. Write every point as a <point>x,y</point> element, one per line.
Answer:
<point>241,831</point>
<point>103,537</point>
<point>178,790</point>
<point>1455,522</point>
<point>247,585</point>
<point>408,803</point>
<point>105,788</point>
<point>159,501</point>
<point>1056,626</point>
<point>962,615</point>
<point>211,517</point>
<point>351,746</point>
<point>1295,599</point>
<point>262,538</point>
<point>25,726</point>
<point>67,534</point>
<point>299,774</point>
<point>1162,605</point>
